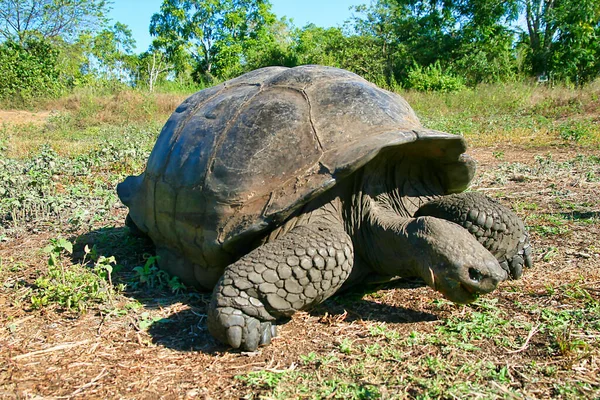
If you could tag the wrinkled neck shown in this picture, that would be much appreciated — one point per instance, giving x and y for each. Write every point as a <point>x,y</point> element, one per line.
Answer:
<point>392,244</point>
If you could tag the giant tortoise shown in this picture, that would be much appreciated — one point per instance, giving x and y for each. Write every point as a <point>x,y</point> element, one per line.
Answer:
<point>280,187</point>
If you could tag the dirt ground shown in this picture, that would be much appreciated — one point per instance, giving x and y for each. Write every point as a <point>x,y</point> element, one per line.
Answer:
<point>21,117</point>
<point>52,353</point>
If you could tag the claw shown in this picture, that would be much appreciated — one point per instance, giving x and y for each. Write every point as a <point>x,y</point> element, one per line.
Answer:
<point>251,341</point>
<point>265,337</point>
<point>234,336</point>
<point>516,267</point>
<point>238,329</point>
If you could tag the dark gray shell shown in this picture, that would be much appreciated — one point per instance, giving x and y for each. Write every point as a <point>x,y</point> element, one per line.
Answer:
<point>235,160</point>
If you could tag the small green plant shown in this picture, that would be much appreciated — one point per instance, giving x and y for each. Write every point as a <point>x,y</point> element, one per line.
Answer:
<point>74,287</point>
<point>383,330</point>
<point>575,130</point>
<point>151,276</point>
<point>262,379</point>
<point>146,320</point>
<point>551,253</point>
<point>346,346</point>
<point>308,358</point>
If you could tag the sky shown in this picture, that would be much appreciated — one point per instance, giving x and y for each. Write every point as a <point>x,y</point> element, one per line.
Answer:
<point>136,14</point>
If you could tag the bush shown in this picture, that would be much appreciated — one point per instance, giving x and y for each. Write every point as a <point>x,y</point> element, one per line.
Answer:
<point>28,70</point>
<point>433,78</point>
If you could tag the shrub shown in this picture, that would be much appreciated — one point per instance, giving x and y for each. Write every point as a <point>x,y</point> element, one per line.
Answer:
<point>28,70</point>
<point>433,78</point>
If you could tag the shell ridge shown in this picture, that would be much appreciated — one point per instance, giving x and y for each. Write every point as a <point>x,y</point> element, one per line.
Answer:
<point>312,123</point>
<point>182,124</point>
<point>223,134</point>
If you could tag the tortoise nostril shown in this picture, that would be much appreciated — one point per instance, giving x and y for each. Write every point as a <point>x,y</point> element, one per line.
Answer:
<point>475,275</point>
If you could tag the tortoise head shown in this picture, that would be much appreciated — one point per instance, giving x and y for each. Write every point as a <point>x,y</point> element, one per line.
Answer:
<point>444,254</point>
<point>453,262</point>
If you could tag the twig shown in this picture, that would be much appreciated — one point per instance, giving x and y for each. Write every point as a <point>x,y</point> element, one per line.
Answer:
<point>63,346</point>
<point>90,383</point>
<point>533,331</point>
<point>504,390</point>
<point>246,365</point>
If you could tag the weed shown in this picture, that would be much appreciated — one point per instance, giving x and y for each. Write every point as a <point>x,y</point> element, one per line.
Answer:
<point>383,330</point>
<point>575,130</point>
<point>550,253</point>
<point>153,277</point>
<point>75,287</point>
<point>345,346</point>
<point>263,379</point>
<point>146,320</point>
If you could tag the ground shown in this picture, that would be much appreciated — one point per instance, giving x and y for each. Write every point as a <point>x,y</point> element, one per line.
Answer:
<point>139,335</point>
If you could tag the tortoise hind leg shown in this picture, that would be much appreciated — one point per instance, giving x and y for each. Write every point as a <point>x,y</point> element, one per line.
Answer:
<point>294,272</point>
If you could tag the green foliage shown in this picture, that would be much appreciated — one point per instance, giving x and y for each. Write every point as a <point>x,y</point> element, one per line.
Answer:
<point>48,189</point>
<point>393,43</point>
<point>49,19</point>
<point>151,276</point>
<point>213,33</point>
<point>562,39</point>
<point>113,48</point>
<point>73,287</point>
<point>433,78</point>
<point>29,70</point>
<point>262,379</point>
<point>576,50</point>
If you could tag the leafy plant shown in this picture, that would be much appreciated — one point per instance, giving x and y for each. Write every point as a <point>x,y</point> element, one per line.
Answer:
<point>151,276</point>
<point>262,379</point>
<point>75,287</point>
<point>433,78</point>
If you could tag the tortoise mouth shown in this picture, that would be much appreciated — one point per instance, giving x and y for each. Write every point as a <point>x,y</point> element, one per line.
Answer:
<point>458,292</point>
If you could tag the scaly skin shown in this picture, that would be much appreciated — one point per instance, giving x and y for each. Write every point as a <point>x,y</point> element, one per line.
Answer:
<point>294,272</point>
<point>496,227</point>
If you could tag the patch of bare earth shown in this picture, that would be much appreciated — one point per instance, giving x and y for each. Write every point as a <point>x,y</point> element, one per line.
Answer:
<point>107,354</point>
<point>22,117</point>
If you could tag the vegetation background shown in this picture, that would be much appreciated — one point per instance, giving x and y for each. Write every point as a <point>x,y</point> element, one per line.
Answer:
<point>85,312</point>
<point>51,48</point>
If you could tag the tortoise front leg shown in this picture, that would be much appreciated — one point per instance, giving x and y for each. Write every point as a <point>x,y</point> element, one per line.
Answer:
<point>496,227</point>
<point>294,272</point>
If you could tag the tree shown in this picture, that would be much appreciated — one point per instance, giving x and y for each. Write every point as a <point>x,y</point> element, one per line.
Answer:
<point>472,36</point>
<point>152,66</point>
<point>334,47</point>
<point>214,32</point>
<point>113,49</point>
<point>271,45</point>
<point>21,20</point>
<point>562,38</point>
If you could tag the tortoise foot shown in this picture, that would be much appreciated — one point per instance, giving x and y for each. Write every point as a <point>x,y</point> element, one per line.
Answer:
<point>241,331</point>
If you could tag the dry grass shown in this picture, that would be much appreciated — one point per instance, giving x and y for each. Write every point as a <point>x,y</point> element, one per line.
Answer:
<point>518,114</point>
<point>123,107</point>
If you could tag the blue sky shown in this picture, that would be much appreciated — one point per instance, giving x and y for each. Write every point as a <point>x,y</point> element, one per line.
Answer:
<point>137,13</point>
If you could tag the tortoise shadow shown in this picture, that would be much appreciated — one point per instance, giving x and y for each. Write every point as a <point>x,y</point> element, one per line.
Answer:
<point>356,307</point>
<point>185,329</point>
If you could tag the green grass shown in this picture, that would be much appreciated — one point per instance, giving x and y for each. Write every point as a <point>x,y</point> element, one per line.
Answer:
<point>73,287</point>
<point>459,359</point>
<point>514,113</point>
